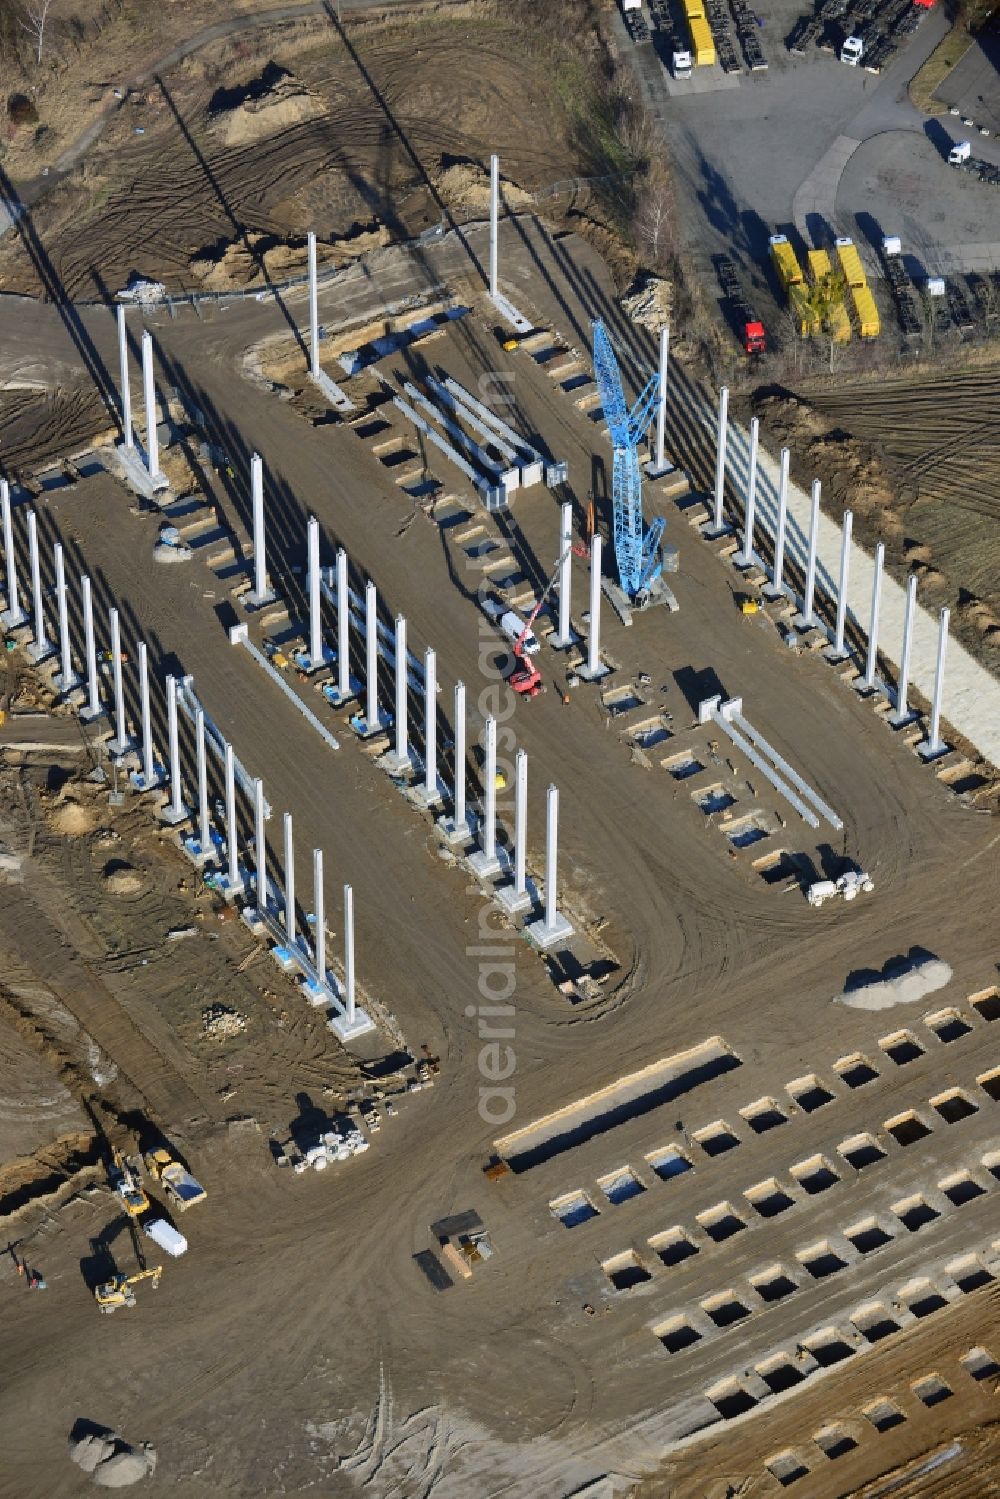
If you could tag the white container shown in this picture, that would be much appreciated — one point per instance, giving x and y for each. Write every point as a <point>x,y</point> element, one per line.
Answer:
<point>169,1240</point>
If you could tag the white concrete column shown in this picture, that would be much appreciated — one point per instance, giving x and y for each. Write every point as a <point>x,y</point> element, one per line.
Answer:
<point>67,678</point>
<point>313,309</point>
<point>13,616</point>
<point>494,224</point>
<point>807,618</point>
<point>485,862</point>
<point>205,843</point>
<point>660,456</point>
<point>399,760</point>
<point>149,775</point>
<point>343,629</point>
<point>126,384</point>
<point>871,662</point>
<point>349,954</point>
<point>121,744</point>
<point>595,667</point>
<point>934,744</point>
<point>372,722</point>
<point>259,844</point>
<point>176,811</point>
<point>515,898</point>
<point>776,588</point>
<point>40,648</point>
<point>746,557</point>
<point>289,880</point>
<point>149,396</point>
<point>456,827</point>
<point>838,653</point>
<point>319,910</point>
<point>564,637</point>
<point>315,614</point>
<point>903,714</point>
<point>553,927</point>
<point>93,708</point>
<point>234,884</point>
<point>430,795</point>
<point>718,526</point>
<point>261,593</point>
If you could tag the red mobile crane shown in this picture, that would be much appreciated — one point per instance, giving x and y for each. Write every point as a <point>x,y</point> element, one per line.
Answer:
<point>526,678</point>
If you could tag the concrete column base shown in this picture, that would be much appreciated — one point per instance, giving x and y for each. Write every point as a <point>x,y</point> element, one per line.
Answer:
<point>515,903</point>
<point>338,699</point>
<point>138,475</point>
<point>156,783</point>
<point>544,936</point>
<point>251,917</point>
<point>868,689</point>
<point>366,730</point>
<point>456,835</point>
<point>482,867</point>
<point>558,643</point>
<point>656,470</point>
<point>834,656</point>
<point>40,651</point>
<point>91,715</point>
<point>802,624</point>
<point>121,749</point>
<point>745,560</point>
<point>712,532</point>
<point>928,751</point>
<point>302,661</point>
<point>774,592</point>
<point>345,1030</point>
<point>174,819</point>
<point>586,675</point>
<point>13,619</point>
<point>902,720</point>
<point>230,890</point>
<point>66,685</point>
<point>199,856</point>
<point>320,996</point>
<point>425,797</point>
<point>253,600</point>
<point>285,958</point>
<point>395,765</point>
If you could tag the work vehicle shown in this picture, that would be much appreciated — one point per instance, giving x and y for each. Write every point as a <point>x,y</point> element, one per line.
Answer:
<point>527,679</point>
<point>681,65</point>
<point>510,623</point>
<point>849,886</point>
<point>852,51</point>
<point>960,153</point>
<point>179,1184</point>
<point>118,1291</point>
<point>749,326</point>
<point>631,4</point>
<point>124,1182</point>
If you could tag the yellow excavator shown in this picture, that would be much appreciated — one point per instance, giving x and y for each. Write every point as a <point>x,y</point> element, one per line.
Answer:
<point>126,1184</point>
<point>118,1290</point>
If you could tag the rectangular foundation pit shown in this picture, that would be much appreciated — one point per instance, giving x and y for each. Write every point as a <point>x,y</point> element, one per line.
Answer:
<point>986,1003</point>
<point>907,1129</point>
<point>855,1070</point>
<point>676,1334</point>
<point>621,1185</point>
<point>947,1025</point>
<point>773,1284</point>
<point>626,1271</point>
<point>763,1114</point>
<point>668,1162</point>
<point>744,832</point>
<point>815,1175</point>
<point>710,799</point>
<point>673,1246</point>
<point>682,766</point>
<point>632,1096</point>
<point>573,1209</point>
<point>873,1322</point>
<point>648,734</point>
<point>622,700</point>
<point>867,1236</point>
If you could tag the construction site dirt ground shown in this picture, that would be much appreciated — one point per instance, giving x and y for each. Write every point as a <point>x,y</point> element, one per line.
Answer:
<point>298,1347</point>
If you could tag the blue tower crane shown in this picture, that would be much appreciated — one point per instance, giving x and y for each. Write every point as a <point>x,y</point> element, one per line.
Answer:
<point>637,550</point>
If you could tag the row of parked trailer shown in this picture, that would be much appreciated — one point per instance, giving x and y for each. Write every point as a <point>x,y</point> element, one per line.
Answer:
<point>707,38</point>
<point>860,32</point>
<point>953,303</point>
<point>858,293</point>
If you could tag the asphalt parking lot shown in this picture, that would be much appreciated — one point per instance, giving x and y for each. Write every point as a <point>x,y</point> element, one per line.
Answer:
<point>813,149</point>
<point>974,85</point>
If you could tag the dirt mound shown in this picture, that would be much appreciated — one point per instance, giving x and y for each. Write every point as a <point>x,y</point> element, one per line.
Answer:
<point>122,879</point>
<point>466,186</point>
<point>648,302</point>
<point>977,613</point>
<point>263,107</point>
<point>849,468</point>
<point>71,819</point>
<point>257,259</point>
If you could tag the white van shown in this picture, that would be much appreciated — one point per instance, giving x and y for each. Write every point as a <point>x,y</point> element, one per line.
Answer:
<point>510,623</point>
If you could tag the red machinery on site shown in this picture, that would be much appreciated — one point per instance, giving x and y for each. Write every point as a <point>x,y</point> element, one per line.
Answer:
<point>526,679</point>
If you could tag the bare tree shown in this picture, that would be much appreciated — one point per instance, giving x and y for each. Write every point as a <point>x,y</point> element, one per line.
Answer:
<point>36,15</point>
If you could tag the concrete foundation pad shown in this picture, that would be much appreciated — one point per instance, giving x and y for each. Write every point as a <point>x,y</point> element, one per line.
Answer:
<point>834,656</point>
<point>455,835</point>
<point>558,644</point>
<point>91,715</point>
<point>199,856</point>
<point>336,698</point>
<point>252,601</point>
<point>902,720</point>
<point>332,391</point>
<point>285,959</point>
<point>422,797</point>
<point>174,819</point>
<point>775,594</point>
<point>13,619</point>
<point>396,765</point>
<point>712,532</point>
<point>929,752</point>
<point>251,917</point>
<point>39,653</point>
<point>361,1025</point>
<point>319,995</point>
<point>67,687</point>
<point>544,936</point>
<point>804,625</point>
<point>229,891</point>
<point>586,675</point>
<point>137,474</point>
<point>515,904</point>
<point>155,783</point>
<point>366,730</point>
<point>658,470</point>
<point>483,868</point>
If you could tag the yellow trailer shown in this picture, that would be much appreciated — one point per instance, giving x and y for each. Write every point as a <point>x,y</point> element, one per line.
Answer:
<point>850,263</point>
<point>866,312</point>
<point>785,261</point>
<point>702,44</point>
<point>838,322</point>
<point>694,10</point>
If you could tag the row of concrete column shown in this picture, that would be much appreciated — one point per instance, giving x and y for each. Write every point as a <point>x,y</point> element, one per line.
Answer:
<point>205,843</point>
<point>807,618</point>
<point>459,827</point>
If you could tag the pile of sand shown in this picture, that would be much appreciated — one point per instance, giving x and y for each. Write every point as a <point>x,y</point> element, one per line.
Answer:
<point>467,187</point>
<point>263,107</point>
<point>111,1461</point>
<point>71,819</point>
<point>977,612</point>
<point>122,879</point>
<point>649,301</point>
<point>918,559</point>
<point>902,981</point>
<point>257,259</point>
